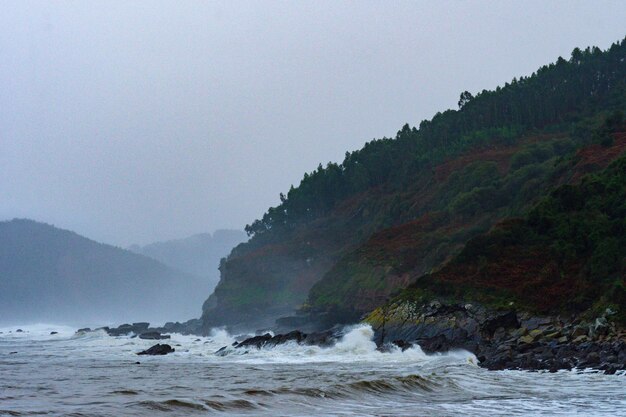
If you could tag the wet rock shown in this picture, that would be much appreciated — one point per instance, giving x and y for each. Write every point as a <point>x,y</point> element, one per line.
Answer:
<point>153,336</point>
<point>158,349</point>
<point>506,321</point>
<point>19,331</point>
<point>402,344</point>
<point>53,333</point>
<point>256,341</point>
<point>124,329</point>
<point>294,336</point>
<point>435,344</point>
<point>83,330</point>
<point>322,339</point>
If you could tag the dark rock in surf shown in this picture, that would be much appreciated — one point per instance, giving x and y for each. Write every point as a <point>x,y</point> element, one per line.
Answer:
<point>158,349</point>
<point>294,336</point>
<point>402,344</point>
<point>256,341</point>
<point>153,336</point>
<point>53,333</point>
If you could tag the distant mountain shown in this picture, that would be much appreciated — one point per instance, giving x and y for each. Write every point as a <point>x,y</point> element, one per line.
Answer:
<point>53,275</point>
<point>198,255</point>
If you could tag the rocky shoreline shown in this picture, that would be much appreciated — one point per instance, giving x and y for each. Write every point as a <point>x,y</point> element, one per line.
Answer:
<point>499,339</point>
<point>505,339</point>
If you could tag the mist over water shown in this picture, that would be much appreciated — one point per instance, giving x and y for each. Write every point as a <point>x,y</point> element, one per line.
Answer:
<point>95,374</point>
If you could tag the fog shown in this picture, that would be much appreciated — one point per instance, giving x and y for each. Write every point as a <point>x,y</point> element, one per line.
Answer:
<point>132,122</point>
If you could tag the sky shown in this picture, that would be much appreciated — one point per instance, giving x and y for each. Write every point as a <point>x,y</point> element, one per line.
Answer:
<point>133,122</point>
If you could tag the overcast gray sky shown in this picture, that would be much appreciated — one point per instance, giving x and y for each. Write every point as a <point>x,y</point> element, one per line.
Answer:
<point>131,122</point>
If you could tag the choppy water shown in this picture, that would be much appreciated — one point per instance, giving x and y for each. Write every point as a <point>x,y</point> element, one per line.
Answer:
<point>96,375</point>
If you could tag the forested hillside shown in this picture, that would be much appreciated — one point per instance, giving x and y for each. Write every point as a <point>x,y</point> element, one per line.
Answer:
<point>415,199</point>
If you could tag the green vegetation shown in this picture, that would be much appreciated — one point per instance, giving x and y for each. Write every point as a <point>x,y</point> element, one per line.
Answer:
<point>568,254</point>
<point>555,94</point>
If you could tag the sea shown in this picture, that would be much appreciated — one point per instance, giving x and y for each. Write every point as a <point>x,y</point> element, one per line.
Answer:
<point>94,374</point>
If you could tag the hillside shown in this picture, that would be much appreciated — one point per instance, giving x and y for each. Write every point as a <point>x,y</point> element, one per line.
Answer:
<point>198,255</point>
<point>566,256</point>
<point>394,258</point>
<point>53,275</point>
<point>354,233</point>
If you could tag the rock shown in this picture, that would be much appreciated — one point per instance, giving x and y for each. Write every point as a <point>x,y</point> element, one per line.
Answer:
<point>581,330</point>
<point>158,349</point>
<point>294,336</point>
<point>435,344</point>
<point>124,329</point>
<point>153,336</point>
<point>562,339</point>
<point>600,327</point>
<point>83,330</point>
<point>506,321</point>
<point>553,335</point>
<point>19,331</point>
<point>580,339</point>
<point>526,339</point>
<point>536,333</point>
<point>402,344</point>
<point>322,339</point>
<point>51,333</point>
<point>256,341</point>
<point>136,328</point>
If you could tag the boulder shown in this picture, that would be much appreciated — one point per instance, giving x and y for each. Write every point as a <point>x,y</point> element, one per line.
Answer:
<point>158,349</point>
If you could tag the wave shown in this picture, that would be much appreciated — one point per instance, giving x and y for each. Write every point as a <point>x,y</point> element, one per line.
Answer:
<point>357,345</point>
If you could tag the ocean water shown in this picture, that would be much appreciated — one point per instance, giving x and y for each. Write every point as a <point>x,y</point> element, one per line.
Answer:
<point>94,374</point>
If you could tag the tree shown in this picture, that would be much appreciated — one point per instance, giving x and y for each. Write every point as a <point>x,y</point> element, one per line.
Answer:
<point>465,98</point>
